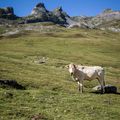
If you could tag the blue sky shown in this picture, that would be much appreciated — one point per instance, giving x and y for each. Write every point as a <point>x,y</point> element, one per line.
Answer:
<point>72,7</point>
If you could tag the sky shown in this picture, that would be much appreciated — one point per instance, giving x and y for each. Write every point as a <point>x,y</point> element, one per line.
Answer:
<point>72,7</point>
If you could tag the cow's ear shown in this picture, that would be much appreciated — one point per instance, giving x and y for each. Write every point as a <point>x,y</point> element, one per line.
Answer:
<point>74,66</point>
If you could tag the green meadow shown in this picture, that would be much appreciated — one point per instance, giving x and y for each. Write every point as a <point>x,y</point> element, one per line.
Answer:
<point>37,61</point>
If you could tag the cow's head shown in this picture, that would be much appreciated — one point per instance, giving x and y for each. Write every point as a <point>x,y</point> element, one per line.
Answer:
<point>71,68</point>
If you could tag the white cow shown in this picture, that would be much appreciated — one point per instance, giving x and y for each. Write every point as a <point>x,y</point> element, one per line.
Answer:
<point>80,73</point>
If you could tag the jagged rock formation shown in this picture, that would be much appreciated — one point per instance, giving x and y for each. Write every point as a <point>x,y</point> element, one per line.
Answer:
<point>40,8</point>
<point>108,19</point>
<point>41,14</point>
<point>60,15</point>
<point>7,13</point>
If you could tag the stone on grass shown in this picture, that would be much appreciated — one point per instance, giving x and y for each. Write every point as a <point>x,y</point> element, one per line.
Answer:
<point>108,89</point>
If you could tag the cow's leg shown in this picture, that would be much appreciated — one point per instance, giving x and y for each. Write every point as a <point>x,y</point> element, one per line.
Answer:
<point>102,85</point>
<point>80,87</point>
<point>103,82</point>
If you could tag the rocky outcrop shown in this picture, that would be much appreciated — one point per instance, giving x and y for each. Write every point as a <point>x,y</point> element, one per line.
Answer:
<point>108,19</point>
<point>41,14</point>
<point>7,13</point>
<point>105,18</point>
<point>38,14</point>
<point>39,9</point>
<point>60,15</point>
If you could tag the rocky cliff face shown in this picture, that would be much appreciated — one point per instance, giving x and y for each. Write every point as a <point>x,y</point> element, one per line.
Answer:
<point>7,13</point>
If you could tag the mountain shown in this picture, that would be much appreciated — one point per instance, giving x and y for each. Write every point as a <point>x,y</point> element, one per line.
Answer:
<point>108,19</point>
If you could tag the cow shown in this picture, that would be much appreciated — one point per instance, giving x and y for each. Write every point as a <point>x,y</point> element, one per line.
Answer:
<point>80,73</point>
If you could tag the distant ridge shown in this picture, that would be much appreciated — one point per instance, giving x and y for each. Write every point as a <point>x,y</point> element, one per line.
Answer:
<point>108,19</point>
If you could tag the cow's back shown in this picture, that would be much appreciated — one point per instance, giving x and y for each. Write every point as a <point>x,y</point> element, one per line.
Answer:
<point>91,72</point>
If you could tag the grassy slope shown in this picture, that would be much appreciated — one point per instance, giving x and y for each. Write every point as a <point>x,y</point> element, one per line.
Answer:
<point>50,90</point>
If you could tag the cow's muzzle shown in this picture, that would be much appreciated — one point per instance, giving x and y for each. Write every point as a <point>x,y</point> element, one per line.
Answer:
<point>71,74</point>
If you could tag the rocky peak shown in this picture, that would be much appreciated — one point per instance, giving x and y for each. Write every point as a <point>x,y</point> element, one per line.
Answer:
<point>59,9</point>
<point>40,5</point>
<point>7,12</point>
<point>60,13</point>
<point>39,9</point>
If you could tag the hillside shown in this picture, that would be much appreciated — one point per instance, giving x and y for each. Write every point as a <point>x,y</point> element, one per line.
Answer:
<point>37,59</point>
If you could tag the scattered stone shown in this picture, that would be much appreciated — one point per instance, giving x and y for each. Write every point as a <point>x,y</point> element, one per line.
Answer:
<point>40,60</point>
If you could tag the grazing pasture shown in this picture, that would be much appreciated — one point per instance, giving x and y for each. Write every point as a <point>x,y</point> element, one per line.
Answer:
<point>37,61</point>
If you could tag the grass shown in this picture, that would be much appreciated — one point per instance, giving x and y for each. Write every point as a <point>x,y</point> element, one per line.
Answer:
<point>50,90</point>
<point>2,30</point>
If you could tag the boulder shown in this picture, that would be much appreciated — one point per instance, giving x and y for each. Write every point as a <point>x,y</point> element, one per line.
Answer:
<point>108,89</point>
